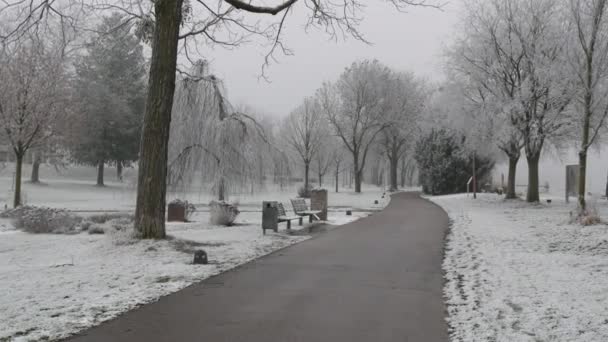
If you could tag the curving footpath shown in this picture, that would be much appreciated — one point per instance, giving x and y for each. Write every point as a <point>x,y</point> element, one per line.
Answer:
<point>376,279</point>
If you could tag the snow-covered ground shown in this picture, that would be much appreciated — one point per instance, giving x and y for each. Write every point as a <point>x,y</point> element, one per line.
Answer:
<point>55,285</point>
<point>521,272</point>
<point>75,189</point>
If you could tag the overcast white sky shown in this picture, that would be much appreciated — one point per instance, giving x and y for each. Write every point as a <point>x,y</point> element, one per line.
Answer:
<point>406,41</point>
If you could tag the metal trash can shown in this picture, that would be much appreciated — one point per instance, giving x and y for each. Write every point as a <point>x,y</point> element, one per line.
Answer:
<point>270,216</point>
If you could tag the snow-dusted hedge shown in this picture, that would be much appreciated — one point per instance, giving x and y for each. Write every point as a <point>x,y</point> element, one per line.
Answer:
<point>304,192</point>
<point>105,217</point>
<point>222,213</point>
<point>41,220</point>
<point>112,225</point>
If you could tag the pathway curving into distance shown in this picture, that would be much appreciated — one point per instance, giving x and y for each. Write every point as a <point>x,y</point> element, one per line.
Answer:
<point>376,279</point>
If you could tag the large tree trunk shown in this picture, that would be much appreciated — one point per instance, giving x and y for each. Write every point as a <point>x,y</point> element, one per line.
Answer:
<point>411,172</point>
<point>357,181</point>
<point>119,171</point>
<point>35,178</point>
<point>18,168</point>
<point>221,195</point>
<point>100,172</point>
<point>582,155</point>
<point>394,165</point>
<point>474,175</point>
<point>337,176</point>
<point>357,173</point>
<point>152,177</point>
<point>582,180</point>
<point>403,172</point>
<point>606,187</point>
<point>510,193</point>
<point>533,182</point>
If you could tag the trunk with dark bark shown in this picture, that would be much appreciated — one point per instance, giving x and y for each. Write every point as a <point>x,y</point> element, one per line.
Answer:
<point>119,171</point>
<point>152,177</point>
<point>100,172</point>
<point>533,180</point>
<point>510,193</point>
<point>394,165</point>
<point>403,172</point>
<point>474,175</point>
<point>337,177</point>
<point>357,173</point>
<point>18,168</point>
<point>606,187</point>
<point>582,175</point>
<point>35,178</point>
<point>221,190</point>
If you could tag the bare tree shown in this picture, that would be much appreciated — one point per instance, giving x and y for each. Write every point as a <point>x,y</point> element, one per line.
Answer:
<point>513,56</point>
<point>323,159</point>
<point>356,108</point>
<point>488,59</point>
<point>589,59</point>
<point>406,99</point>
<point>304,131</point>
<point>545,94</point>
<point>32,92</point>
<point>173,26</point>
<point>211,137</point>
<point>338,165</point>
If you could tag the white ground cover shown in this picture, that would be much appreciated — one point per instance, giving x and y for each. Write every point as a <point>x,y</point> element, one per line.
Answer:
<point>521,272</point>
<point>54,285</point>
<point>75,189</point>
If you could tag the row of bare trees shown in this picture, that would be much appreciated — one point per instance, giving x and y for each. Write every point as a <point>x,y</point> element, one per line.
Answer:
<point>536,72</point>
<point>82,105</point>
<point>174,27</point>
<point>370,107</point>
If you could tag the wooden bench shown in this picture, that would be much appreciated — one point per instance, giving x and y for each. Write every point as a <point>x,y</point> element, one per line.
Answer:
<point>301,209</point>
<point>284,218</point>
<point>273,213</point>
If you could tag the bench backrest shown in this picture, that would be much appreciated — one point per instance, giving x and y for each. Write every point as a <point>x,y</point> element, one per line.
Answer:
<point>299,205</point>
<point>281,209</point>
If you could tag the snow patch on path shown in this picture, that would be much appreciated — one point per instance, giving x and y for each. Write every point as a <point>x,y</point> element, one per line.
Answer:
<point>521,272</point>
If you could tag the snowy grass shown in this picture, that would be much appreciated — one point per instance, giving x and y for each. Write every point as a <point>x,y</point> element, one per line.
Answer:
<point>74,189</point>
<point>521,272</point>
<point>55,285</point>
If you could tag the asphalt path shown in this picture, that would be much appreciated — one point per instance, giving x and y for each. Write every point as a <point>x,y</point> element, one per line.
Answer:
<point>376,279</point>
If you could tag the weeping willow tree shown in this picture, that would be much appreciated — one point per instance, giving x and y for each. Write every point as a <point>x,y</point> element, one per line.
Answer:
<point>212,144</point>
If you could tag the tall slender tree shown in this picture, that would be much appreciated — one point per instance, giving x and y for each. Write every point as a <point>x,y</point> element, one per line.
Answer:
<point>356,106</point>
<point>589,61</point>
<point>33,94</point>
<point>110,87</point>
<point>304,131</point>
<point>407,99</point>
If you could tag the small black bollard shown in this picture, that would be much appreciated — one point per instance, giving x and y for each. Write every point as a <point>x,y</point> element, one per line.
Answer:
<point>349,213</point>
<point>200,257</point>
<point>376,202</point>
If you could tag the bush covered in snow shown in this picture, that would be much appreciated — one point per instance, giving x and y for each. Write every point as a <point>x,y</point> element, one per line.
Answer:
<point>445,165</point>
<point>222,213</point>
<point>44,220</point>
<point>304,192</point>
<point>112,225</point>
<point>105,217</point>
